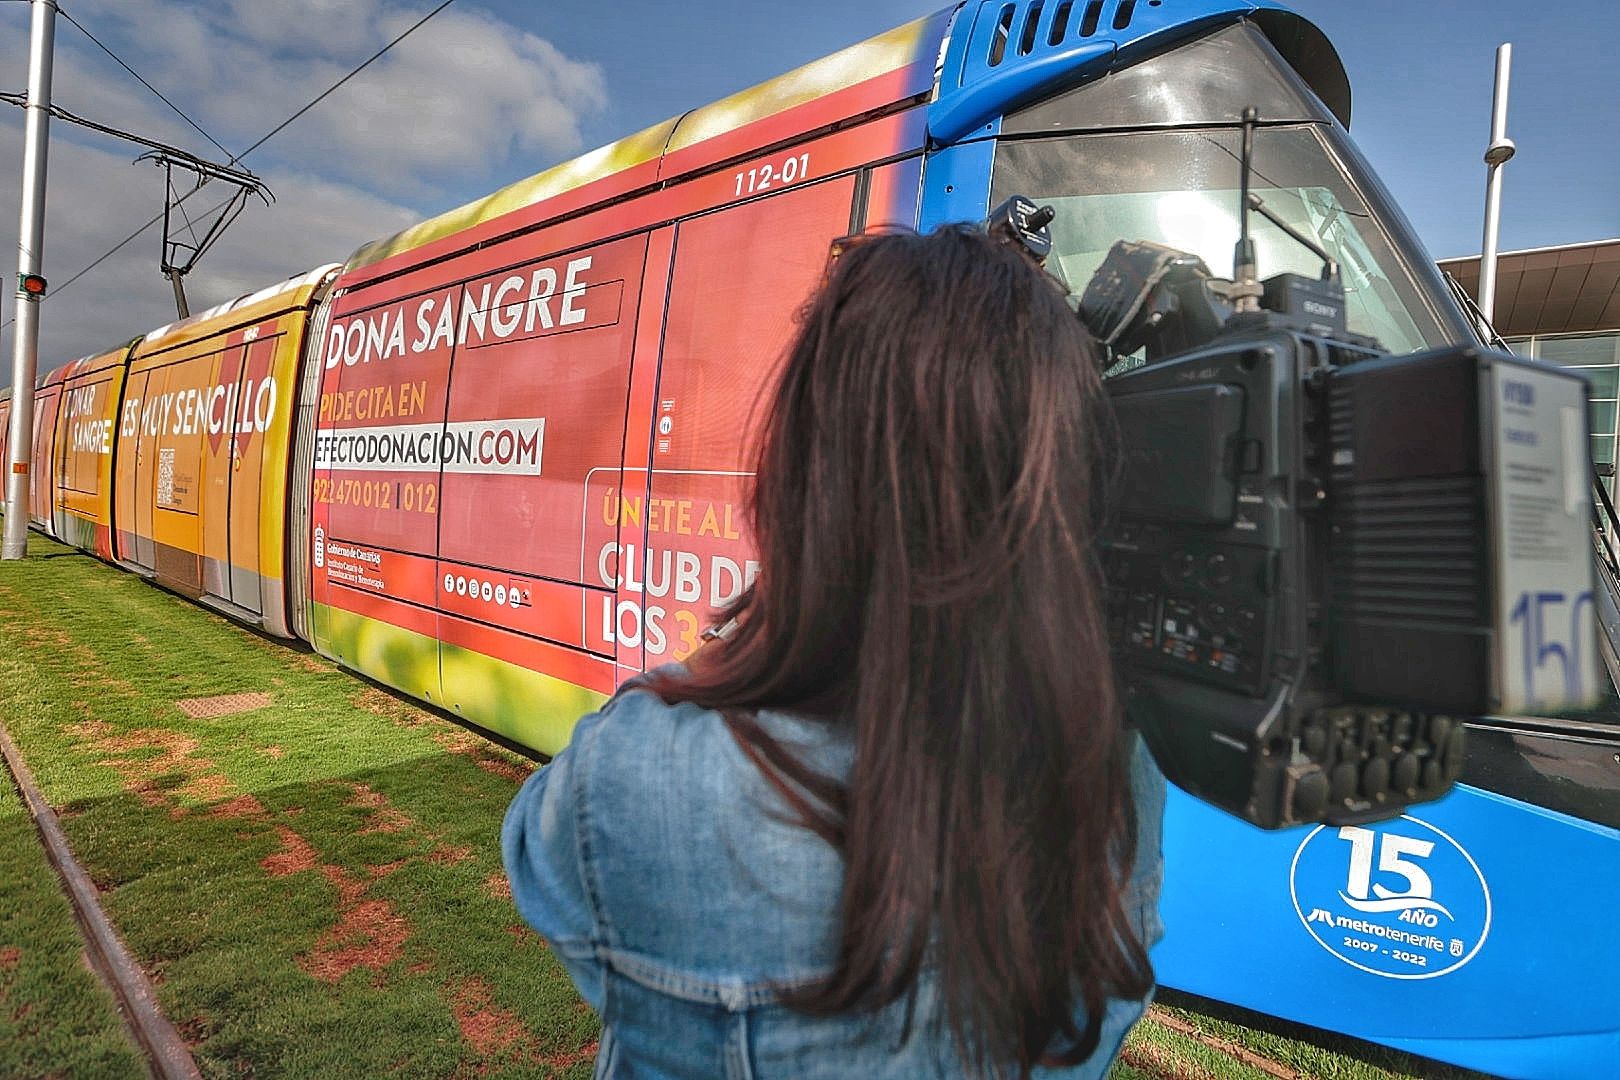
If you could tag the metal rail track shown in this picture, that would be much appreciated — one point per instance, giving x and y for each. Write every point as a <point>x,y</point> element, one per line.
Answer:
<point>166,1052</point>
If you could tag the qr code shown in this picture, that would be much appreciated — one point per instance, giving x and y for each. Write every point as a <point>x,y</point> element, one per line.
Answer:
<point>165,477</point>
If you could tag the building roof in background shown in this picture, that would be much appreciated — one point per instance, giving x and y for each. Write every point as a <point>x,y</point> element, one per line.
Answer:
<point>1553,290</point>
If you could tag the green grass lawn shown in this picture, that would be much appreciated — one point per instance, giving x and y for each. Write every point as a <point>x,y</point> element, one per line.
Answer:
<point>1182,1043</point>
<point>314,884</point>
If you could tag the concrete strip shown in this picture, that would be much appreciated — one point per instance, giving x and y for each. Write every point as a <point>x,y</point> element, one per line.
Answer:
<point>166,1051</point>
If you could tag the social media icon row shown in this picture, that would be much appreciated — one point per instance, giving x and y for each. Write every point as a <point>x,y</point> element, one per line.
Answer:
<point>487,591</point>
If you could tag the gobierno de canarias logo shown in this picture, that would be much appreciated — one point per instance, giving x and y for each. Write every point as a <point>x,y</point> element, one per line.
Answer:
<point>1400,899</point>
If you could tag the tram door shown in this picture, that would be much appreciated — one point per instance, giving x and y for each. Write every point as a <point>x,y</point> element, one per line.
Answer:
<point>83,449</point>
<point>43,481</point>
<point>218,467</point>
<point>5,446</point>
<point>132,486</point>
<point>251,371</point>
<point>376,522</point>
<point>533,442</point>
<point>739,275</point>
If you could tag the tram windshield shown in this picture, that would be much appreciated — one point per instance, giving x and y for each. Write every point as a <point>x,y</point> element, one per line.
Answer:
<point>1181,188</point>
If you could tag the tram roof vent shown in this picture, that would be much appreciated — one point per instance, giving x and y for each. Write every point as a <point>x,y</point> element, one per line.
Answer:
<point>998,39</point>
<point>1057,28</point>
<point>1093,16</point>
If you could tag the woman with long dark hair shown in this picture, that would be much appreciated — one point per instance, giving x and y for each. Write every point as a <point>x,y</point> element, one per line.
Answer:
<point>893,825</point>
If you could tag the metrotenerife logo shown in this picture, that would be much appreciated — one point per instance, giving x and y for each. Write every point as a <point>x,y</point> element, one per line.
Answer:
<point>1401,899</point>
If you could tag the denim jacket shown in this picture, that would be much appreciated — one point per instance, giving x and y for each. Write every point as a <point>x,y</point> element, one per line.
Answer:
<point>672,884</point>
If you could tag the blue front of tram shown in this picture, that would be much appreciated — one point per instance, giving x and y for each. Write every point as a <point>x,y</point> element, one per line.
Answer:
<point>1479,929</point>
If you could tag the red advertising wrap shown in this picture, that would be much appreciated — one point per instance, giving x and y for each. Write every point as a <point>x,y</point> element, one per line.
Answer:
<point>530,453</point>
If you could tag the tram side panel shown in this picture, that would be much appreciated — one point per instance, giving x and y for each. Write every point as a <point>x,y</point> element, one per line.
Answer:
<point>462,408</point>
<point>578,541</point>
<point>475,340</point>
<point>374,508</point>
<point>537,416</point>
<point>202,453</point>
<point>1477,929</point>
<point>182,471</point>
<point>42,475</point>
<point>571,510</point>
<point>684,552</point>
<point>86,425</point>
<point>526,485</point>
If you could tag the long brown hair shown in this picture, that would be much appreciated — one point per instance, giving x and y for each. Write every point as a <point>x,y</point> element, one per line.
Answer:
<point>925,509</point>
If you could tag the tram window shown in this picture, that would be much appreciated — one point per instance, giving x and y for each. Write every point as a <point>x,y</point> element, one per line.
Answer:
<point>1060,23</point>
<point>39,492</point>
<point>739,277</point>
<point>362,399</point>
<point>80,438</point>
<point>1088,25</point>
<point>1032,18</point>
<point>1181,188</point>
<point>998,46</point>
<point>1208,81</point>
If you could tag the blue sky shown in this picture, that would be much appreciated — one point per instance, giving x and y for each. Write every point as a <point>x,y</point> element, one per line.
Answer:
<point>1421,75</point>
<point>1420,72</point>
<point>494,90</point>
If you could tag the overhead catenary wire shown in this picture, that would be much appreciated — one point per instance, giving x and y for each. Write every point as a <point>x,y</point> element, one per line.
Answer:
<point>137,75</point>
<point>125,242</point>
<point>57,290</point>
<point>322,96</point>
<point>60,113</point>
<point>63,114</point>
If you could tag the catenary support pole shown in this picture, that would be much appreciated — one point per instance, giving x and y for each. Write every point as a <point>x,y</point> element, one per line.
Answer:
<point>180,305</point>
<point>1496,155</point>
<point>30,253</point>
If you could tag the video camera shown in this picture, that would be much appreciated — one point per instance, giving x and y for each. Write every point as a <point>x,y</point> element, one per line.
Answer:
<point>1323,557</point>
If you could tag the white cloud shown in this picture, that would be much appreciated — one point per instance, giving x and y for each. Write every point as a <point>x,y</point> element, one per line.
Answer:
<point>462,95</point>
<point>466,100</point>
<point>444,101</point>
<point>97,198</point>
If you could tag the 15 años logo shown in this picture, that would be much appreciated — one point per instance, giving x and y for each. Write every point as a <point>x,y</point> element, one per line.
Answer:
<point>1400,899</point>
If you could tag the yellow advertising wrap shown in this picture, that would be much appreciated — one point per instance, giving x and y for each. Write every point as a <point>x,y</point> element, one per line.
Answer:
<point>86,423</point>
<point>885,53</point>
<point>642,148</point>
<point>526,706</point>
<point>203,448</point>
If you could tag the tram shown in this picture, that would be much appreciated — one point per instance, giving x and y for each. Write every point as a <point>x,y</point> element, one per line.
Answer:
<point>498,461</point>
